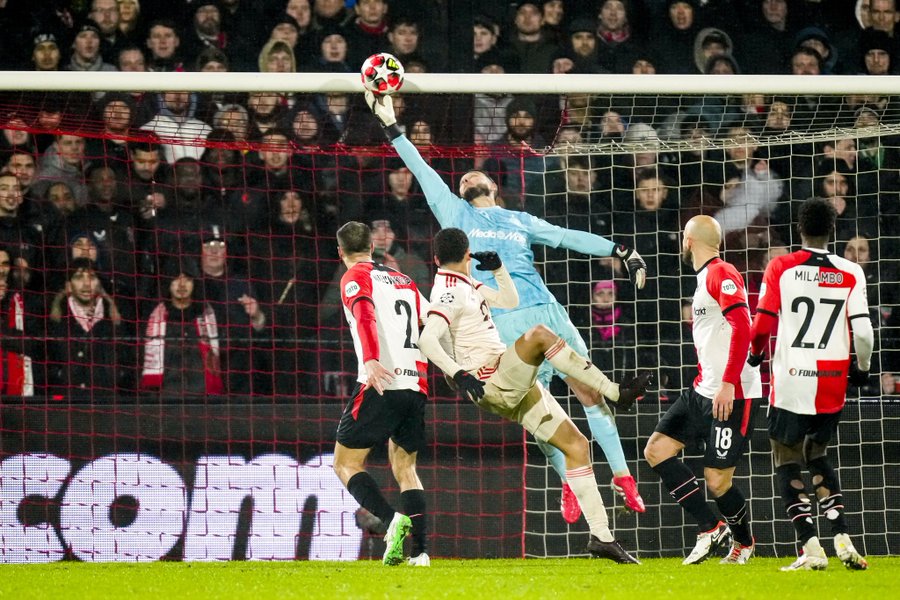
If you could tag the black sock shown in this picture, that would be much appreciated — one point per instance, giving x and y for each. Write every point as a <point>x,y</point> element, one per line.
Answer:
<point>683,487</point>
<point>831,506</point>
<point>413,503</point>
<point>796,502</point>
<point>734,509</point>
<point>366,491</point>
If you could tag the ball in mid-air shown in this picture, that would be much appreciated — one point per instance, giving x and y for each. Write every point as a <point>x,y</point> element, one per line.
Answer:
<point>382,74</point>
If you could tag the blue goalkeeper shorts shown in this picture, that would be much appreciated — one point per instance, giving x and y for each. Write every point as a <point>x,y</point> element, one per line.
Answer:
<point>514,323</point>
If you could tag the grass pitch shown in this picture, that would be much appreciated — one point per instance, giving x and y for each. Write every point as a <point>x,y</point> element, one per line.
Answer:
<point>657,579</point>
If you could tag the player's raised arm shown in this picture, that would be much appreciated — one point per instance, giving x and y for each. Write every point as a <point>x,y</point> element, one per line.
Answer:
<point>592,245</point>
<point>438,194</point>
<point>506,295</point>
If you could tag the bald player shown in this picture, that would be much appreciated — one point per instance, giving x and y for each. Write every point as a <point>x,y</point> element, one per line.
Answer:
<point>718,408</point>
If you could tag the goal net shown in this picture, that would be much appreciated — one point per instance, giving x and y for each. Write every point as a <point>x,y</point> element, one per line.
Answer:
<point>238,183</point>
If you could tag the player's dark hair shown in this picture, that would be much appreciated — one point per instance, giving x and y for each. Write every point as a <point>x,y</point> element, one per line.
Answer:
<point>354,237</point>
<point>816,219</point>
<point>450,245</point>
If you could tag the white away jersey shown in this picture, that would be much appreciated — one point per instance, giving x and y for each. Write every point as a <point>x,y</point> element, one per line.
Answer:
<point>720,289</point>
<point>399,310</point>
<point>476,341</point>
<point>814,295</point>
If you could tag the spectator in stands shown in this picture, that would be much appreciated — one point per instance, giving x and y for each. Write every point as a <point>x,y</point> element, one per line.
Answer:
<point>64,161</point>
<point>45,55</point>
<point>86,334</point>
<point>86,49</point>
<point>553,20</point>
<point>233,118</point>
<point>673,38</point>
<point>306,128</point>
<point>61,197</point>
<point>615,36</point>
<point>861,250</point>
<point>485,36</point>
<point>489,110</point>
<point>175,120</point>
<point>287,255</point>
<point>525,168</point>
<point>772,27</point>
<point>17,372</point>
<point>391,252</point>
<point>223,166</point>
<point>818,40</point>
<point>21,163</point>
<point>612,331</point>
<point>277,56</point>
<point>240,318</point>
<point>581,45</point>
<point>534,50</point>
<point>805,61</point>
<point>205,31</point>
<point>129,18</point>
<point>106,14</point>
<point>132,59</point>
<point>301,38</point>
<point>331,13</point>
<point>403,36</point>
<point>332,52</point>
<point>163,41</point>
<point>366,34</point>
<point>877,50</point>
<point>265,110</point>
<point>117,113</point>
<point>710,42</point>
<point>182,347</point>
<point>837,188</point>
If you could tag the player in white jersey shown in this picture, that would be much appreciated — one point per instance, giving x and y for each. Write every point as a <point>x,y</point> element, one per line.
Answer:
<point>384,310</point>
<point>718,409</point>
<point>461,339</point>
<point>816,299</point>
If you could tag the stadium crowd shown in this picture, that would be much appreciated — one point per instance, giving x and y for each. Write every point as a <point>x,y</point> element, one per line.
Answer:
<point>183,243</point>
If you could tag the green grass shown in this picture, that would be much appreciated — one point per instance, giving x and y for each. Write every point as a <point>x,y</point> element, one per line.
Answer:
<point>659,579</point>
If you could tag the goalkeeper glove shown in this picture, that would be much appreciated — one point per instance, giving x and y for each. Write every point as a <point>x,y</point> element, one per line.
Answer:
<point>383,109</point>
<point>487,261</point>
<point>637,268</point>
<point>469,386</point>
<point>857,376</point>
<point>754,360</point>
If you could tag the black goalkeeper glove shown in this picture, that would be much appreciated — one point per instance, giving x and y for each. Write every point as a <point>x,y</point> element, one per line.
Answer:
<point>383,109</point>
<point>857,376</point>
<point>487,261</point>
<point>637,268</point>
<point>469,386</point>
<point>754,360</point>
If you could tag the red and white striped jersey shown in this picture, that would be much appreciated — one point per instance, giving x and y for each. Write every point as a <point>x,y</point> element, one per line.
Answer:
<point>720,290</point>
<point>399,310</point>
<point>476,341</point>
<point>814,294</point>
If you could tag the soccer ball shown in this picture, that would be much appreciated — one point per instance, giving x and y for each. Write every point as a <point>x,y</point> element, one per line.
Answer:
<point>382,74</point>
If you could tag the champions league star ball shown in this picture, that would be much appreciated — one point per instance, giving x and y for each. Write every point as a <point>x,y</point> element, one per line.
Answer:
<point>382,74</point>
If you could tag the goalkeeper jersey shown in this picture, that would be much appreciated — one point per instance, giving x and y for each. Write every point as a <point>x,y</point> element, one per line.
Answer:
<point>509,233</point>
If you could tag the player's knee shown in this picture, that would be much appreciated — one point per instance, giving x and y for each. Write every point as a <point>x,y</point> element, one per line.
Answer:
<point>717,482</point>
<point>541,335</point>
<point>656,451</point>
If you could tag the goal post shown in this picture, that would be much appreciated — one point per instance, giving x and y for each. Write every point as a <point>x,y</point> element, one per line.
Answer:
<point>629,157</point>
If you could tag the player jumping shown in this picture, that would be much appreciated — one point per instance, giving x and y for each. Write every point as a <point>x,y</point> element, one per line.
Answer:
<point>813,296</point>
<point>511,234</point>
<point>503,379</point>
<point>718,409</point>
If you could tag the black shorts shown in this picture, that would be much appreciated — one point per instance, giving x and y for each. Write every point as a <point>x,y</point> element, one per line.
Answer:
<point>790,428</point>
<point>370,419</point>
<point>690,421</point>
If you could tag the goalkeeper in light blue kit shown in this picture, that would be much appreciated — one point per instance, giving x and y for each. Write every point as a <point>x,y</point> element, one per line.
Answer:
<point>511,234</point>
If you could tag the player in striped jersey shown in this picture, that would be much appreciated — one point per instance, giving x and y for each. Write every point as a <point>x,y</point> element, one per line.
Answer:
<point>511,234</point>
<point>718,409</point>
<point>460,337</point>
<point>815,298</point>
<point>384,310</point>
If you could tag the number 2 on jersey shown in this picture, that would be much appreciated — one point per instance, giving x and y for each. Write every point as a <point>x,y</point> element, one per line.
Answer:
<point>402,306</point>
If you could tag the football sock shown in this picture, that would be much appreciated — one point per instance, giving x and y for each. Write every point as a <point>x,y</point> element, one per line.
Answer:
<point>734,509</point>
<point>796,501</point>
<point>684,488</point>
<point>828,492</point>
<point>603,428</point>
<point>413,504</point>
<point>556,457</point>
<point>584,486</point>
<point>565,360</point>
<point>366,491</point>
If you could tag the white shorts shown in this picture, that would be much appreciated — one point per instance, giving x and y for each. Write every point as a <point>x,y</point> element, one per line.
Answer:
<point>514,393</point>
